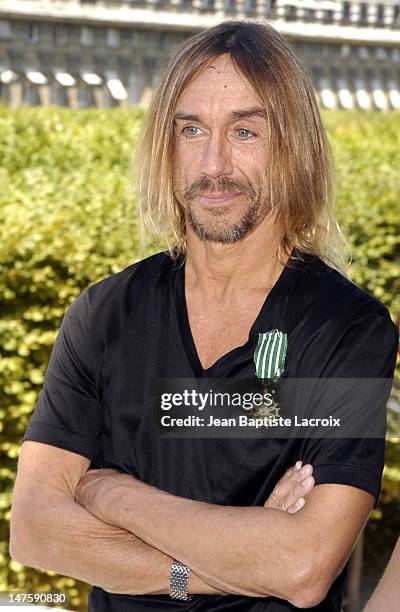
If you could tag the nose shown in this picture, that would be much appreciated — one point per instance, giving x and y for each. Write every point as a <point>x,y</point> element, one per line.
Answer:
<point>216,158</point>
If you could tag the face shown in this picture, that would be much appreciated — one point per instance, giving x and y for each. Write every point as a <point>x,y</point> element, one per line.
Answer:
<point>220,157</point>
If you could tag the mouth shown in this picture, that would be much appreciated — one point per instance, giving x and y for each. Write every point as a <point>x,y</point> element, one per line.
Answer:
<point>209,198</point>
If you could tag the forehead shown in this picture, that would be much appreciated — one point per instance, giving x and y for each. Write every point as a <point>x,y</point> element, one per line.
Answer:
<point>218,86</point>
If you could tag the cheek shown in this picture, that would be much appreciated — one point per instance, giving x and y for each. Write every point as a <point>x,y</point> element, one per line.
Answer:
<point>253,165</point>
<point>185,163</point>
<point>250,156</point>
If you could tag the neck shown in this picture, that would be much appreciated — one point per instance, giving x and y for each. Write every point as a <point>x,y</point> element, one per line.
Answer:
<point>221,269</point>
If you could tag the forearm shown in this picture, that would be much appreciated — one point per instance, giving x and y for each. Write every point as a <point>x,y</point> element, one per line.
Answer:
<point>225,546</point>
<point>60,535</point>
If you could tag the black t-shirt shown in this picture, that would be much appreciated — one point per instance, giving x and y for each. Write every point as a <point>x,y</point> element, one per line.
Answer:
<point>125,330</point>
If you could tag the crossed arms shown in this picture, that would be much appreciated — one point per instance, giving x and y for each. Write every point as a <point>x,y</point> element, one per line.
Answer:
<point>112,530</point>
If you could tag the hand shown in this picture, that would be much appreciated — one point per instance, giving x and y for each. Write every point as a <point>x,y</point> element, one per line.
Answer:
<point>289,492</point>
<point>94,490</point>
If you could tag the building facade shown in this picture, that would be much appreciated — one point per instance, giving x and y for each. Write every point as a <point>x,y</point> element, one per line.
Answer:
<point>84,53</point>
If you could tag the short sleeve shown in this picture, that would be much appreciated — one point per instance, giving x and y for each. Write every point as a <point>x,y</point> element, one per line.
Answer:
<point>367,349</point>
<point>68,412</point>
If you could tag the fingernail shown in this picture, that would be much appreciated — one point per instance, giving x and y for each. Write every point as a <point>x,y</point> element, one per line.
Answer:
<point>304,469</point>
<point>298,465</point>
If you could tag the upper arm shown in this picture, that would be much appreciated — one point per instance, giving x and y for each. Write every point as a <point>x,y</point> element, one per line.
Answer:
<point>44,471</point>
<point>330,523</point>
<point>41,464</point>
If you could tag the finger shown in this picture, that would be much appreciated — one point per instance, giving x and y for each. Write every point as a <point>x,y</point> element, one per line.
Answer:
<point>307,469</point>
<point>296,506</point>
<point>299,475</point>
<point>293,469</point>
<point>299,491</point>
<point>295,477</point>
<point>291,478</point>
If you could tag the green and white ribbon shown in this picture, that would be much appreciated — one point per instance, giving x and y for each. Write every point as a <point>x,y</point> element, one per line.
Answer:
<point>269,356</point>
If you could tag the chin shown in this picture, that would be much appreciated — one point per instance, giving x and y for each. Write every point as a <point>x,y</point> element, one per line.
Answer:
<point>221,233</point>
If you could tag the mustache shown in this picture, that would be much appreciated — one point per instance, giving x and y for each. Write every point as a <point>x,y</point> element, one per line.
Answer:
<point>222,185</point>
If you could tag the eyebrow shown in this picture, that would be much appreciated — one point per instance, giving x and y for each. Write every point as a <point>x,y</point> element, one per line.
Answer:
<point>248,112</point>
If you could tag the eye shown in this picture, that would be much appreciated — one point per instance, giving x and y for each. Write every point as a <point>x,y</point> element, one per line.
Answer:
<point>189,127</point>
<point>190,132</point>
<point>244,130</point>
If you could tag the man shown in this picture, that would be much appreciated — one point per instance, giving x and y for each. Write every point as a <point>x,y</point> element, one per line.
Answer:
<point>387,594</point>
<point>233,165</point>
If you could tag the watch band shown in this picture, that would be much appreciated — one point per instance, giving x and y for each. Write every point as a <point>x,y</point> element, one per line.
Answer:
<point>179,581</point>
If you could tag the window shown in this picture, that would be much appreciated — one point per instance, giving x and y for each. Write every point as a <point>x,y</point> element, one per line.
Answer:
<point>229,5</point>
<point>251,5</point>
<point>31,95</point>
<point>60,34</point>
<point>5,29</point>
<point>85,96</point>
<point>100,36</point>
<point>112,37</point>
<point>345,51</point>
<point>363,53</point>
<point>381,53</point>
<point>86,36</point>
<point>32,32</point>
<point>395,55</point>
<point>291,12</point>
<point>363,11</point>
<point>126,35</point>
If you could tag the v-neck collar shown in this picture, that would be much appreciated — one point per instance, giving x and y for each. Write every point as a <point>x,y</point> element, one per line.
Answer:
<point>279,290</point>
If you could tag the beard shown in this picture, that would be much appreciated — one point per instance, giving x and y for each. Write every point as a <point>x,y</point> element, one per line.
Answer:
<point>212,224</point>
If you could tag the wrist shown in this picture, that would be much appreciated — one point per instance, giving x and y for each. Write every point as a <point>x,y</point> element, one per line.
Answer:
<point>179,581</point>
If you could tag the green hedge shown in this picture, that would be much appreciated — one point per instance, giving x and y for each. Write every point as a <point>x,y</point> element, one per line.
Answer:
<point>67,220</point>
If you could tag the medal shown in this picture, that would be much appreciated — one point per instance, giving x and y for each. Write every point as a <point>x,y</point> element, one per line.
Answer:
<point>269,359</point>
<point>269,356</point>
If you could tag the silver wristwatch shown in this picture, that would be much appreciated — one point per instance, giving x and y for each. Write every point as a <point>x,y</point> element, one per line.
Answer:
<point>179,581</point>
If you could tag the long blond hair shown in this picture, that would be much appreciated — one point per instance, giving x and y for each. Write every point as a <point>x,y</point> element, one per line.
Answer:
<point>300,173</point>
